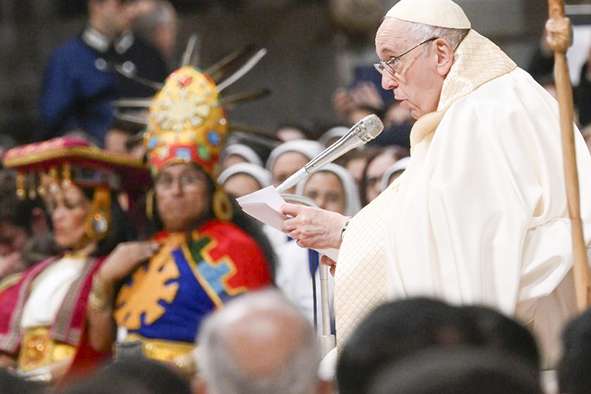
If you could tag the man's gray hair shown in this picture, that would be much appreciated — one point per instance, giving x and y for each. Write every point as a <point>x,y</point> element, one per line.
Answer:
<point>422,32</point>
<point>158,15</point>
<point>223,374</point>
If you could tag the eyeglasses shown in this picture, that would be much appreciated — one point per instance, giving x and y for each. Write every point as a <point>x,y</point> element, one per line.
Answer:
<point>186,180</point>
<point>389,64</point>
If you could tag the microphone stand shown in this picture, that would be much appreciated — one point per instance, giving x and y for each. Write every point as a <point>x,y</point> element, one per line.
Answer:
<point>327,339</point>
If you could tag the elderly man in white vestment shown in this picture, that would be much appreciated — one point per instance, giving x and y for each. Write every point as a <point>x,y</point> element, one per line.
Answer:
<point>480,215</point>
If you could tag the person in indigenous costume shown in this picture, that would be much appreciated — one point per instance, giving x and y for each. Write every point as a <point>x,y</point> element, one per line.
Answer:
<point>43,321</point>
<point>480,214</point>
<point>202,252</point>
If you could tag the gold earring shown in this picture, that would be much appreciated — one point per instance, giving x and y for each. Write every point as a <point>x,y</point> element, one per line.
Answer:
<point>99,217</point>
<point>222,206</point>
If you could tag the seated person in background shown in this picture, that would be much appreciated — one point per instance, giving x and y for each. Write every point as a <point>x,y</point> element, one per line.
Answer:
<point>244,178</point>
<point>289,157</point>
<point>259,343</point>
<point>332,135</point>
<point>202,252</point>
<point>356,161</point>
<point>291,131</point>
<point>20,220</point>
<point>332,188</point>
<point>457,371</point>
<point>43,321</point>
<point>239,153</point>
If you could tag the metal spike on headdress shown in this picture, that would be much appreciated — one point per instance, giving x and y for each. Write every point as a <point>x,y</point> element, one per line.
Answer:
<point>239,98</point>
<point>242,71</point>
<point>190,54</point>
<point>134,103</point>
<point>130,75</point>
<point>216,71</point>
<point>140,118</point>
<point>254,134</point>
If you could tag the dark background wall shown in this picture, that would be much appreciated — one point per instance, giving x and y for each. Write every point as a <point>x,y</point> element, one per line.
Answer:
<point>308,55</point>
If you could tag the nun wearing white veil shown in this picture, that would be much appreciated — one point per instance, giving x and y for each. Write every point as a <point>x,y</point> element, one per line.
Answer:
<point>286,159</point>
<point>341,179</point>
<point>239,153</point>
<point>244,178</point>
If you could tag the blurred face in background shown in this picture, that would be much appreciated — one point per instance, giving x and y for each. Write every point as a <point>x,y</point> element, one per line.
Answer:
<point>110,17</point>
<point>69,208</point>
<point>375,171</point>
<point>326,190</point>
<point>356,167</point>
<point>234,159</point>
<point>286,165</point>
<point>182,196</point>
<point>240,185</point>
<point>286,134</point>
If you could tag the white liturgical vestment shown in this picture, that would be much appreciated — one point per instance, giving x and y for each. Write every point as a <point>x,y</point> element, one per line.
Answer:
<point>480,215</point>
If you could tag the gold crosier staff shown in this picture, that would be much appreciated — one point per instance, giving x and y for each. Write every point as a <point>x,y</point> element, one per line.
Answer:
<point>558,37</point>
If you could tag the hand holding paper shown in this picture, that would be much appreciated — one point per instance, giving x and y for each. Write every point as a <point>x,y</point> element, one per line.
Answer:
<point>266,205</point>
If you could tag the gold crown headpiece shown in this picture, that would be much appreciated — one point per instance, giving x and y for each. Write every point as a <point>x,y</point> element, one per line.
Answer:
<point>186,120</point>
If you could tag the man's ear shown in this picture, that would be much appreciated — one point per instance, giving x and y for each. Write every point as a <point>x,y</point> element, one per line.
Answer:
<point>445,56</point>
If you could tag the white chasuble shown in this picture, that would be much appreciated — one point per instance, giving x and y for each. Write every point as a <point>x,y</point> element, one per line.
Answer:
<point>482,218</point>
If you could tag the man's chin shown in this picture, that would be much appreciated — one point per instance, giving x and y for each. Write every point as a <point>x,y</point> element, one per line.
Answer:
<point>415,112</point>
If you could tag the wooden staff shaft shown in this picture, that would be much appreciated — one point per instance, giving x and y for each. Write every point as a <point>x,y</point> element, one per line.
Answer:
<point>565,101</point>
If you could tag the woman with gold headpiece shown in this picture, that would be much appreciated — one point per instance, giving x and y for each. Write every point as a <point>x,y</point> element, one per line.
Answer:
<point>206,254</point>
<point>43,310</point>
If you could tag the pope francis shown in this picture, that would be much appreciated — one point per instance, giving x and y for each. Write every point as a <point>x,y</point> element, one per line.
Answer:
<point>480,215</point>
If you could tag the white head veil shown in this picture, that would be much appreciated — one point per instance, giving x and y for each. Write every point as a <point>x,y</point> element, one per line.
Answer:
<point>308,148</point>
<point>261,175</point>
<point>352,202</point>
<point>335,132</point>
<point>243,151</point>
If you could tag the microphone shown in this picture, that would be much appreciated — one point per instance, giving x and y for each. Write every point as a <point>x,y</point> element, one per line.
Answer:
<point>362,132</point>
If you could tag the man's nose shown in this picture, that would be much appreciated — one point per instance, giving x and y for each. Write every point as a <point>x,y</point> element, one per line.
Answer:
<point>388,81</point>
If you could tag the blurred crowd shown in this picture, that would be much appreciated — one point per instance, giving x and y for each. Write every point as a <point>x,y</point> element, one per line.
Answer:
<point>126,265</point>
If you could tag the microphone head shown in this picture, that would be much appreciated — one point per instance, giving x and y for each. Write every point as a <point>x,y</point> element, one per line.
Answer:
<point>370,127</point>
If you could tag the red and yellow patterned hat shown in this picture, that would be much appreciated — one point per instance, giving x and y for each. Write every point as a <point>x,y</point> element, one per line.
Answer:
<point>74,160</point>
<point>186,122</point>
<point>47,166</point>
